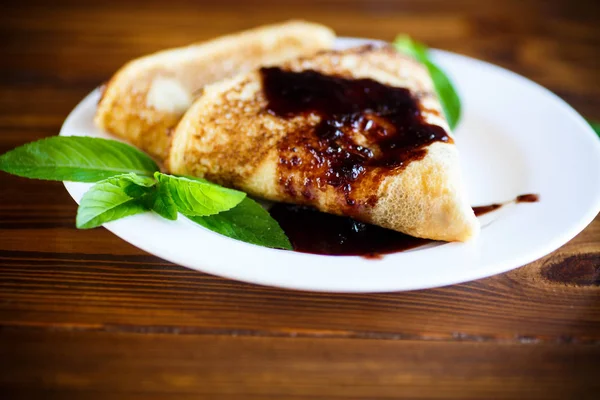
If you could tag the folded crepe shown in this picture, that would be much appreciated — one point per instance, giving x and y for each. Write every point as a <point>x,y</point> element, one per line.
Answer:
<point>146,98</point>
<point>358,133</point>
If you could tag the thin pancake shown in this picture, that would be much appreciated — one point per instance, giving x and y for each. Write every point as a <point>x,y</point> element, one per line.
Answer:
<point>146,98</point>
<point>234,135</point>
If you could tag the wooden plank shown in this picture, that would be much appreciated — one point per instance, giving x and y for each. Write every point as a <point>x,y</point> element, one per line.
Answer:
<point>550,42</point>
<point>91,365</point>
<point>552,300</point>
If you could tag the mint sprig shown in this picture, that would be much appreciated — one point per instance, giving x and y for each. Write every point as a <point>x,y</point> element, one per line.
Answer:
<point>444,88</point>
<point>128,182</point>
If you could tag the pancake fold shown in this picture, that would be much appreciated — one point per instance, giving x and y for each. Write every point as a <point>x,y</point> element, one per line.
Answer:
<point>358,132</point>
<point>145,99</point>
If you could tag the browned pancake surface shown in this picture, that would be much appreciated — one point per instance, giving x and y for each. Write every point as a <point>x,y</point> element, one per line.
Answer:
<point>231,136</point>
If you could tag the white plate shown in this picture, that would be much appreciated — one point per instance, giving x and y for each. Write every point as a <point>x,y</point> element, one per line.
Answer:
<point>515,137</point>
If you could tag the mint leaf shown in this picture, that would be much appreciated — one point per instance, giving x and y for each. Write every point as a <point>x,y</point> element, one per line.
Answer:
<point>76,158</point>
<point>161,202</point>
<point>112,199</point>
<point>133,185</point>
<point>198,197</point>
<point>446,93</point>
<point>443,85</point>
<point>248,222</point>
<point>595,126</point>
<point>404,44</point>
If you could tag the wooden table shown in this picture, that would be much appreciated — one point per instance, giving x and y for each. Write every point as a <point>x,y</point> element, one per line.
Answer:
<point>85,315</point>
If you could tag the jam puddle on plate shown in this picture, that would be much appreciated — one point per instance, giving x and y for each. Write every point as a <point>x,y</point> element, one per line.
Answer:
<point>311,231</point>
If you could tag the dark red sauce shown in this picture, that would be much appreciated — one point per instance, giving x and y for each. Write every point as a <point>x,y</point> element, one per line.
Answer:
<point>524,198</point>
<point>480,210</point>
<point>528,198</point>
<point>311,231</point>
<point>364,129</point>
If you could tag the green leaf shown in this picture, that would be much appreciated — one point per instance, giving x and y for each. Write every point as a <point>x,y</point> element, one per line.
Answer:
<point>404,44</point>
<point>133,185</point>
<point>198,197</point>
<point>161,202</point>
<point>248,222</point>
<point>595,126</point>
<point>112,199</point>
<point>447,94</point>
<point>76,158</point>
<point>444,88</point>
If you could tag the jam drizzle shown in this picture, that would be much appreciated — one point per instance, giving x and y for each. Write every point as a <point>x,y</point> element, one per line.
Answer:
<point>363,129</point>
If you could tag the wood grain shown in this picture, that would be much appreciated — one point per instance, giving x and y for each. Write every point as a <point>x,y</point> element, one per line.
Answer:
<point>221,367</point>
<point>86,315</point>
<point>137,292</point>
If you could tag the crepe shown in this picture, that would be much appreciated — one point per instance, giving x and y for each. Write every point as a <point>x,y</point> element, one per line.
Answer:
<point>145,99</point>
<point>340,160</point>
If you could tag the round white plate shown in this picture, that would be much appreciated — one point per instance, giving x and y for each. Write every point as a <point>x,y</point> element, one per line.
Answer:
<point>515,137</point>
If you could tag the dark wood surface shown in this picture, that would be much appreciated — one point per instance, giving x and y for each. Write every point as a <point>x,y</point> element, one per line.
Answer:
<point>85,315</point>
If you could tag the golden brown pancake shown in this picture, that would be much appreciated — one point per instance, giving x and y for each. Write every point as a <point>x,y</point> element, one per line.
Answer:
<point>358,132</point>
<point>146,98</point>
